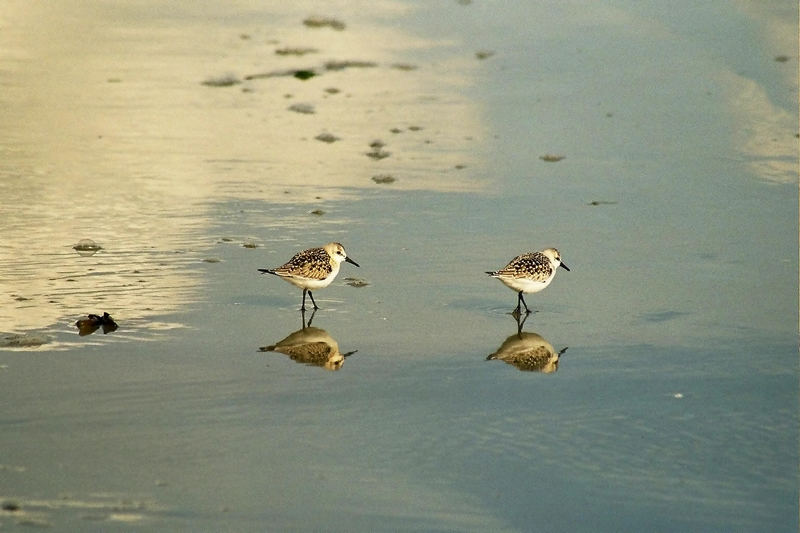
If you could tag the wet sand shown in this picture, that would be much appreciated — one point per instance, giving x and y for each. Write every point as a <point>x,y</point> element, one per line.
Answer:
<point>196,144</point>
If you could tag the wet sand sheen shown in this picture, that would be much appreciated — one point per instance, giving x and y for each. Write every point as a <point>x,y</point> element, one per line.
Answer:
<point>144,148</point>
<point>196,144</point>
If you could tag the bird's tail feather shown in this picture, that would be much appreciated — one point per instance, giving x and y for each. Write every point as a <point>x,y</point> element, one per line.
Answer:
<point>267,271</point>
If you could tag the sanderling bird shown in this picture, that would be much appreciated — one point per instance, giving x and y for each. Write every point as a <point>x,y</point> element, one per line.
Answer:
<point>530,272</point>
<point>312,269</point>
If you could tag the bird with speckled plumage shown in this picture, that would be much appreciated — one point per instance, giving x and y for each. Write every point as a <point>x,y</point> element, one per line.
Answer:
<point>312,269</point>
<point>529,273</point>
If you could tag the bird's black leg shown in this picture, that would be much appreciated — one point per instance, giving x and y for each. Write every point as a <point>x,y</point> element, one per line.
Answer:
<point>312,301</point>
<point>515,312</point>
<point>521,299</point>
<point>303,307</point>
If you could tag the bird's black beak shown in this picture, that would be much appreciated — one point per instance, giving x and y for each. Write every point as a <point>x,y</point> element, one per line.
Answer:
<point>565,267</point>
<point>356,264</point>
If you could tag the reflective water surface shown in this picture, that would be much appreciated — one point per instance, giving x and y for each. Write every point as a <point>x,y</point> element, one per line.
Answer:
<point>196,143</point>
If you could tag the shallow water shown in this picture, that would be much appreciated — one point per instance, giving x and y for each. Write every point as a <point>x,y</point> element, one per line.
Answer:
<point>675,206</point>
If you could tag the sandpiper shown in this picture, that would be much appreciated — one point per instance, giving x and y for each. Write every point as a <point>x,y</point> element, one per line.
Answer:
<point>312,269</point>
<point>528,273</point>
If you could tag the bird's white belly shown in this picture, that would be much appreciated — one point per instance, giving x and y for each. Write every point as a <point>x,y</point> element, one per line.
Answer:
<point>310,284</point>
<point>525,285</point>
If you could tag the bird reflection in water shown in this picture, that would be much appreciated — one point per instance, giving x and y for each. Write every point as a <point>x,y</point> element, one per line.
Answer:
<point>528,351</point>
<point>311,346</point>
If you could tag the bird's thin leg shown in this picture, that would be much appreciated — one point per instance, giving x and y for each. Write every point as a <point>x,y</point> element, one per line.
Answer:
<point>312,301</point>
<point>303,307</point>
<point>521,299</point>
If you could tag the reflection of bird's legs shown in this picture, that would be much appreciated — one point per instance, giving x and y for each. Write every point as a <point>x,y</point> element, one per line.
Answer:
<point>520,321</point>
<point>303,318</point>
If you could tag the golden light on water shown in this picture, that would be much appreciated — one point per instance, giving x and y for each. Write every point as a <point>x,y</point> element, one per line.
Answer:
<point>109,133</point>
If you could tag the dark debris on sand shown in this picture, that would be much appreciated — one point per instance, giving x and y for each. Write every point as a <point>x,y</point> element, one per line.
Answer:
<point>90,324</point>
<point>324,22</point>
